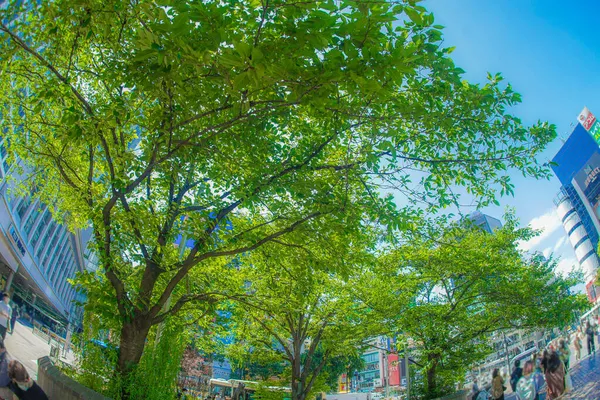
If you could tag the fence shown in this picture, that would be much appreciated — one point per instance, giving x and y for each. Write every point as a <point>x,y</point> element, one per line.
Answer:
<point>49,336</point>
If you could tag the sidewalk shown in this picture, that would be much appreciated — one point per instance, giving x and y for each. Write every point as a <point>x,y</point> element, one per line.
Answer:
<point>26,347</point>
<point>586,379</point>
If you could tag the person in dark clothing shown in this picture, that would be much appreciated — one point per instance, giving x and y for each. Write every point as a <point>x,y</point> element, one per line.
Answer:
<point>13,318</point>
<point>516,374</point>
<point>591,344</point>
<point>22,385</point>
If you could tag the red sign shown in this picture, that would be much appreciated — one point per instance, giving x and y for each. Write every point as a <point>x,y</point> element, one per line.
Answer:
<point>592,291</point>
<point>589,121</point>
<point>394,370</point>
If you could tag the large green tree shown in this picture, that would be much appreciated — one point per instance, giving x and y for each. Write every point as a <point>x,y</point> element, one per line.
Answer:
<point>303,311</point>
<point>261,116</point>
<point>467,285</point>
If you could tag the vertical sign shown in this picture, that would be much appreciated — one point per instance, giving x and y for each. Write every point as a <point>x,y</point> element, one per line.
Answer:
<point>590,123</point>
<point>393,370</point>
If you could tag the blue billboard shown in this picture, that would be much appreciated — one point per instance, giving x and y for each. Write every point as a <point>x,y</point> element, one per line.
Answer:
<point>573,155</point>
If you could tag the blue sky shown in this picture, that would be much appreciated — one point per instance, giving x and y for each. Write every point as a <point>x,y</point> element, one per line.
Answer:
<point>549,50</point>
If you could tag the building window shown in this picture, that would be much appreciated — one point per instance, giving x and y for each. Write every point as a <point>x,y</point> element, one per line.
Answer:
<point>22,208</point>
<point>30,221</point>
<point>38,232</point>
<point>47,236</point>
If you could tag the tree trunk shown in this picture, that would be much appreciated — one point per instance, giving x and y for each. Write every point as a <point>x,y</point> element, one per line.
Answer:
<point>297,385</point>
<point>431,371</point>
<point>133,340</point>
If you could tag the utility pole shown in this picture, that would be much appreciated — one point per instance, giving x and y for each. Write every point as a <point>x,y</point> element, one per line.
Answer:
<point>507,355</point>
<point>386,377</point>
<point>407,368</point>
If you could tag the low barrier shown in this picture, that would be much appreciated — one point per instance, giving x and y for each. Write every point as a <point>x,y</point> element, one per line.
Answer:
<point>58,386</point>
<point>462,395</point>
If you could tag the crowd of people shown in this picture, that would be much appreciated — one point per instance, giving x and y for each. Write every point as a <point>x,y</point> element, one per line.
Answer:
<point>546,373</point>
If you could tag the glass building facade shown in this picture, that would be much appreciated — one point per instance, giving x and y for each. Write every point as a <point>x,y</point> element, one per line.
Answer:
<point>577,166</point>
<point>38,255</point>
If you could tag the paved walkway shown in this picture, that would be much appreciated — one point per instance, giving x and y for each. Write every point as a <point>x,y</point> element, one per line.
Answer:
<point>586,379</point>
<point>26,347</point>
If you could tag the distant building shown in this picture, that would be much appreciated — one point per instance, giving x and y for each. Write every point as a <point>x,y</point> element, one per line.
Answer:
<point>577,166</point>
<point>381,368</point>
<point>489,224</point>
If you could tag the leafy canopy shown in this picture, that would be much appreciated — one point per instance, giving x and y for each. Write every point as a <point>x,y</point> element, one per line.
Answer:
<point>237,123</point>
<point>303,312</point>
<point>468,284</point>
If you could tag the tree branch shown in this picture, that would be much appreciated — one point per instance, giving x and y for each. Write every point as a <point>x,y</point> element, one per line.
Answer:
<point>190,262</point>
<point>48,65</point>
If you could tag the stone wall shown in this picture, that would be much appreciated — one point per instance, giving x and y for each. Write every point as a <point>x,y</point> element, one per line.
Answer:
<point>58,386</point>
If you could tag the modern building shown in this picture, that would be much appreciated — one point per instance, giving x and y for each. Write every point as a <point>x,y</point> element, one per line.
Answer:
<point>487,223</point>
<point>38,255</point>
<point>577,166</point>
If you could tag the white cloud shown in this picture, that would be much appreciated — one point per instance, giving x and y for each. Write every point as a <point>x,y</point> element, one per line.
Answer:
<point>560,243</point>
<point>547,252</point>
<point>566,265</point>
<point>548,223</point>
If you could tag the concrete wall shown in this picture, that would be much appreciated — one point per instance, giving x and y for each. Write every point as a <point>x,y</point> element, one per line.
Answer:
<point>58,386</point>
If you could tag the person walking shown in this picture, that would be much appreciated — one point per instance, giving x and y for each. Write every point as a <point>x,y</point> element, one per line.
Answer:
<point>22,385</point>
<point>591,344</point>
<point>516,374</point>
<point>537,374</point>
<point>555,375</point>
<point>577,343</point>
<point>13,318</point>
<point>564,353</point>
<point>5,314</point>
<point>526,389</point>
<point>497,385</point>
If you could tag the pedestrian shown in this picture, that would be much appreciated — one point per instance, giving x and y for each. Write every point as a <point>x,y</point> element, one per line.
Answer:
<point>22,385</point>
<point>474,390</point>
<point>577,343</point>
<point>5,392</point>
<point>13,318</point>
<point>591,344</point>
<point>554,374</point>
<point>526,389</point>
<point>5,314</point>
<point>516,374</point>
<point>564,353</point>
<point>497,385</point>
<point>537,361</point>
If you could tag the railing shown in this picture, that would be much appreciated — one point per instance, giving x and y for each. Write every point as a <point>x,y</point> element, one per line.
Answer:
<point>49,336</point>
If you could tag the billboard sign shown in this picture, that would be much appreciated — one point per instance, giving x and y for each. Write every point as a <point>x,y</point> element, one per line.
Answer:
<point>588,180</point>
<point>595,131</point>
<point>393,370</point>
<point>586,118</point>
<point>590,123</point>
